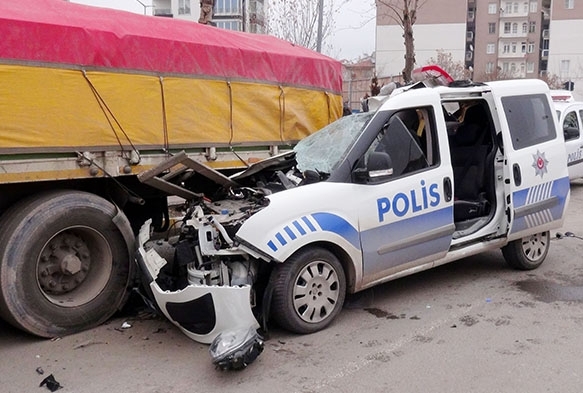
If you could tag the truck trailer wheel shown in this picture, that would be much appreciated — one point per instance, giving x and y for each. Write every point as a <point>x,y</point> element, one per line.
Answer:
<point>65,262</point>
<point>527,253</point>
<point>308,290</point>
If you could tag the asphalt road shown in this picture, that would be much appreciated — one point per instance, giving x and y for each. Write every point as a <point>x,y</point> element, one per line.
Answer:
<point>470,326</point>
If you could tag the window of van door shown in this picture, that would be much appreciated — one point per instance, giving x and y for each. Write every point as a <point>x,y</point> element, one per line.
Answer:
<point>407,139</point>
<point>529,120</point>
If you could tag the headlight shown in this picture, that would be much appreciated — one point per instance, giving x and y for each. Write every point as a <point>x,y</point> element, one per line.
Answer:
<point>235,349</point>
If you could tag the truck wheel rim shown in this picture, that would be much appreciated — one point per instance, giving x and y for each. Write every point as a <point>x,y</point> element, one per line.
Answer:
<point>534,247</point>
<point>74,266</point>
<point>316,291</point>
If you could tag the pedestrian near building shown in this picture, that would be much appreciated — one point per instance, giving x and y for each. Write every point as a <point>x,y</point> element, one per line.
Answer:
<point>206,11</point>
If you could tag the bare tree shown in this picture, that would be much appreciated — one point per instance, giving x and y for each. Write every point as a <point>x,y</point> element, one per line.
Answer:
<point>303,22</point>
<point>456,69</point>
<point>404,13</point>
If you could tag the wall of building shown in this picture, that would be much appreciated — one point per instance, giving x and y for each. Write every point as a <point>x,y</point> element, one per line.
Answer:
<point>440,25</point>
<point>515,52</point>
<point>390,49</point>
<point>565,48</point>
<point>179,9</point>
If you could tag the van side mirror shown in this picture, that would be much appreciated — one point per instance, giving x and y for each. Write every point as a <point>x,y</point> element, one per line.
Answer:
<point>379,168</point>
<point>571,133</point>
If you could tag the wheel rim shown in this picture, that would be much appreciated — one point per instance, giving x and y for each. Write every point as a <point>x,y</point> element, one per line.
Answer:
<point>74,266</point>
<point>316,292</point>
<point>535,246</point>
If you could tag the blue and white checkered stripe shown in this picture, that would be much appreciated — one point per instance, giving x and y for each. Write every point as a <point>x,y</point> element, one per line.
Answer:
<point>536,194</point>
<point>539,205</point>
<point>293,231</point>
<point>324,222</point>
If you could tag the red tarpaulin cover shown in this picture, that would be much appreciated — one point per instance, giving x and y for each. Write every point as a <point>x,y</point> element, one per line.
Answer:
<point>55,31</point>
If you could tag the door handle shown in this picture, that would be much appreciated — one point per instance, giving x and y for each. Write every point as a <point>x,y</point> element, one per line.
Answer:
<point>447,190</point>
<point>517,175</point>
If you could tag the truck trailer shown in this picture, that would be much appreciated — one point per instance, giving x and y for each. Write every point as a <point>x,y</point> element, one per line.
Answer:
<point>92,97</point>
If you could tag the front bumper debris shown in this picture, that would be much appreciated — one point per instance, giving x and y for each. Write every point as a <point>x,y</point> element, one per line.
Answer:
<point>208,314</point>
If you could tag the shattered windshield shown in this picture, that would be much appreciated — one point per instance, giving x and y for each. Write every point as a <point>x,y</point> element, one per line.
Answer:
<point>322,151</point>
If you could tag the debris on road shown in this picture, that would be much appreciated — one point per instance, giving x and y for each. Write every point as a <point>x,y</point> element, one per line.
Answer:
<point>51,383</point>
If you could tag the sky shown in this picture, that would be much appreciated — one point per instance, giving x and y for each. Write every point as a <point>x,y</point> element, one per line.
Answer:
<point>353,36</point>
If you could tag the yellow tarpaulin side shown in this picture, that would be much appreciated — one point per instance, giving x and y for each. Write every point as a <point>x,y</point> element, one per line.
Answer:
<point>53,109</point>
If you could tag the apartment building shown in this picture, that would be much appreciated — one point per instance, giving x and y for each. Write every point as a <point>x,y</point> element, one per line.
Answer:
<point>565,51</point>
<point>239,15</point>
<point>509,38</point>
<point>493,38</point>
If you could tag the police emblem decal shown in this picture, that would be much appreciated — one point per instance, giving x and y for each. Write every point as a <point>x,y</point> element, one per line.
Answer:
<point>540,164</point>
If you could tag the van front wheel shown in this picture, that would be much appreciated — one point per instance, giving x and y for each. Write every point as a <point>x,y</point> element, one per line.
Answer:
<point>527,253</point>
<point>309,290</point>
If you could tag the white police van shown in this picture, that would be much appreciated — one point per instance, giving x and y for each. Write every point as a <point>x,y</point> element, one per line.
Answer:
<point>570,114</point>
<point>434,175</point>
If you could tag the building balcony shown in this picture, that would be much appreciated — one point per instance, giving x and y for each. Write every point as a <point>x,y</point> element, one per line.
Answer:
<point>167,12</point>
<point>510,55</point>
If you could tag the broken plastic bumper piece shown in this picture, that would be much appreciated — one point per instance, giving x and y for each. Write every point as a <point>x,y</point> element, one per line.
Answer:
<point>202,312</point>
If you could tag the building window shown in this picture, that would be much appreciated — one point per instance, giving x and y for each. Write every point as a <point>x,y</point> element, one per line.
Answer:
<point>228,7</point>
<point>529,67</point>
<point>515,8</point>
<point>513,68</point>
<point>533,6</point>
<point>506,48</point>
<point>514,28</point>
<point>569,4</point>
<point>490,48</point>
<point>489,67</point>
<point>525,28</point>
<point>508,8</point>
<point>532,26</point>
<point>525,7</point>
<point>471,15</point>
<point>505,67</point>
<point>523,47</point>
<point>530,47</point>
<point>183,7</point>
<point>514,47</point>
<point>565,67</point>
<point>492,28</point>
<point>229,24</point>
<point>492,8</point>
<point>507,27</point>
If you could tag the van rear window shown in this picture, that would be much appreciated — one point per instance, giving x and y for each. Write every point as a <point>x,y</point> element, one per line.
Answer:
<point>530,120</point>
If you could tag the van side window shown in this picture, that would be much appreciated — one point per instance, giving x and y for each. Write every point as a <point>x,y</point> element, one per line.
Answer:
<point>530,120</point>
<point>571,125</point>
<point>409,139</point>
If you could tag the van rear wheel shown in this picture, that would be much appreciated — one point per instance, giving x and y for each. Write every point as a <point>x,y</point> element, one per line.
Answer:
<point>527,253</point>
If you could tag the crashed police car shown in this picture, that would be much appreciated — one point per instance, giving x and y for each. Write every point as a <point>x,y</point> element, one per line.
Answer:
<point>435,174</point>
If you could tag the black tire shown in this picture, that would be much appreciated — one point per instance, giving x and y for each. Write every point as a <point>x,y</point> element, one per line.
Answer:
<point>527,253</point>
<point>64,263</point>
<point>308,290</point>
